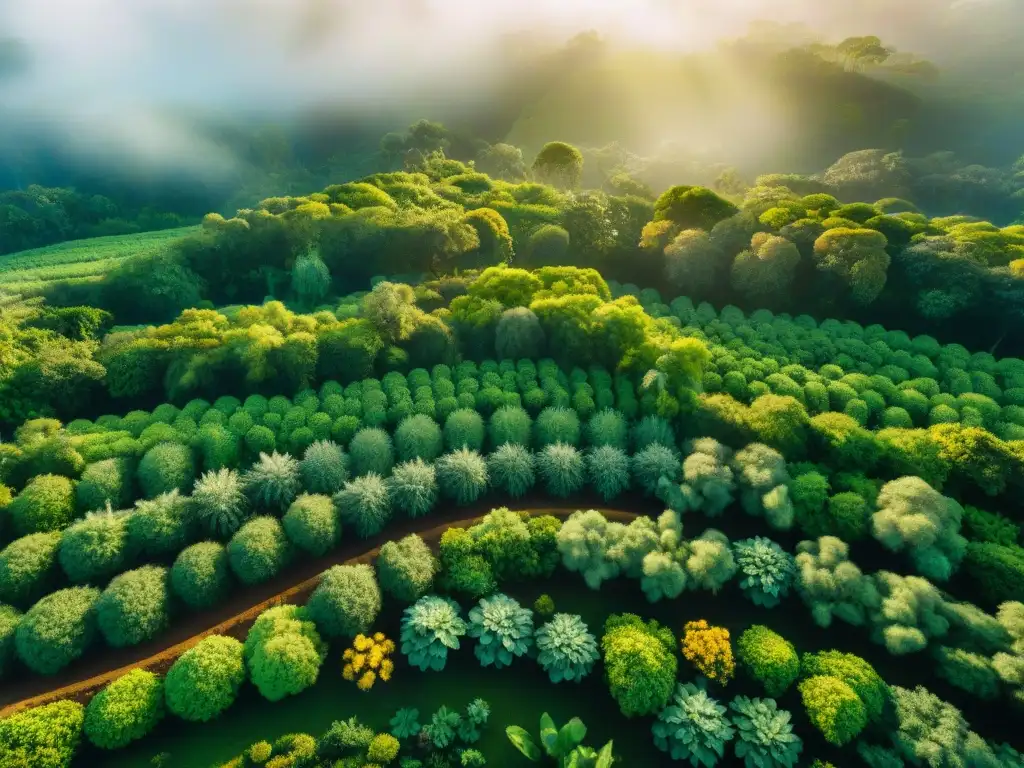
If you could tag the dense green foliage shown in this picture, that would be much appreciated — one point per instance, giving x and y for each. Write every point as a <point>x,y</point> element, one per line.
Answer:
<point>406,568</point>
<point>640,663</point>
<point>259,550</point>
<point>126,710</point>
<point>43,737</point>
<point>769,658</point>
<point>57,630</point>
<point>205,680</point>
<point>283,652</point>
<point>201,574</point>
<point>311,524</point>
<point>346,601</point>
<point>489,354</point>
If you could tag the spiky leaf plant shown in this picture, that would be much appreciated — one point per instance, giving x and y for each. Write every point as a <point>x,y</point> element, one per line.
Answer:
<point>324,468</point>
<point>608,471</point>
<point>273,482</point>
<point>413,487</point>
<point>511,468</point>
<point>462,475</point>
<point>219,503</point>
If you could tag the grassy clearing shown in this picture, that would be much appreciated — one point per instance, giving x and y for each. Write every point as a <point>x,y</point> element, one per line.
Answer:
<point>31,271</point>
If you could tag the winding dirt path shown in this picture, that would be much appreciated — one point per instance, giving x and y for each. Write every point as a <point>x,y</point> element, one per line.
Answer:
<point>81,680</point>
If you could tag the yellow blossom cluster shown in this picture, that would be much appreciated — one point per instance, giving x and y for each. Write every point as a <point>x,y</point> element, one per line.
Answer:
<point>368,659</point>
<point>710,650</point>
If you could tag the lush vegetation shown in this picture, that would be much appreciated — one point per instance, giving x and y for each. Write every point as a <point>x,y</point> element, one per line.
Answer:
<point>48,270</point>
<point>195,413</point>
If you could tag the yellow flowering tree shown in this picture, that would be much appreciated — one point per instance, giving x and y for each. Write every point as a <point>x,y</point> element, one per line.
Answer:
<point>369,659</point>
<point>710,650</point>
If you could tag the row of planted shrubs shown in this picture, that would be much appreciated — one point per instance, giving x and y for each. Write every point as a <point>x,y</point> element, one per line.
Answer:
<point>284,650</point>
<point>773,352</point>
<point>978,652</point>
<point>232,433</point>
<point>910,516</point>
<point>848,455</point>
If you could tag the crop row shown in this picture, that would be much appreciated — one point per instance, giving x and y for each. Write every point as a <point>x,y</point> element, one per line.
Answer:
<point>286,647</point>
<point>93,249</point>
<point>897,381</point>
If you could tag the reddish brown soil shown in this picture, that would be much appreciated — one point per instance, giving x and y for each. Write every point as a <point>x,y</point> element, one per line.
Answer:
<point>81,680</point>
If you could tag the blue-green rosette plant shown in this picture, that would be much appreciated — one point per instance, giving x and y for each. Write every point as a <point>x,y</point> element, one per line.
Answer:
<point>765,737</point>
<point>503,628</point>
<point>567,649</point>
<point>430,627</point>
<point>693,727</point>
<point>767,570</point>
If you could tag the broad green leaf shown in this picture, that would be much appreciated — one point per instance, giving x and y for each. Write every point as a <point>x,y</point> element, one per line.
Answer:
<point>548,734</point>
<point>570,736</point>
<point>522,741</point>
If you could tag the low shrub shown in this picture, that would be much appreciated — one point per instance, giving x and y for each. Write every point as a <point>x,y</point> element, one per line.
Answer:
<point>834,708</point>
<point>462,475</point>
<point>464,428</point>
<point>104,482</point>
<point>166,467</point>
<point>640,664</point>
<point>283,651</point>
<point>311,524</point>
<point>205,680</point>
<point>125,711</point>
<point>134,607</point>
<point>162,526</point>
<point>346,601</point>
<point>413,487</point>
<point>769,658</point>
<point>219,504</point>
<point>28,568</point>
<point>57,630</point>
<point>511,469</point>
<point>42,737</point>
<point>92,550</point>
<point>371,451</point>
<point>418,437</point>
<point>259,550</point>
<point>406,568</point>
<point>9,618</point>
<point>855,672</point>
<point>47,503</point>
<point>561,469</point>
<point>324,468</point>
<point>365,504</point>
<point>201,575</point>
<point>273,482</point>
